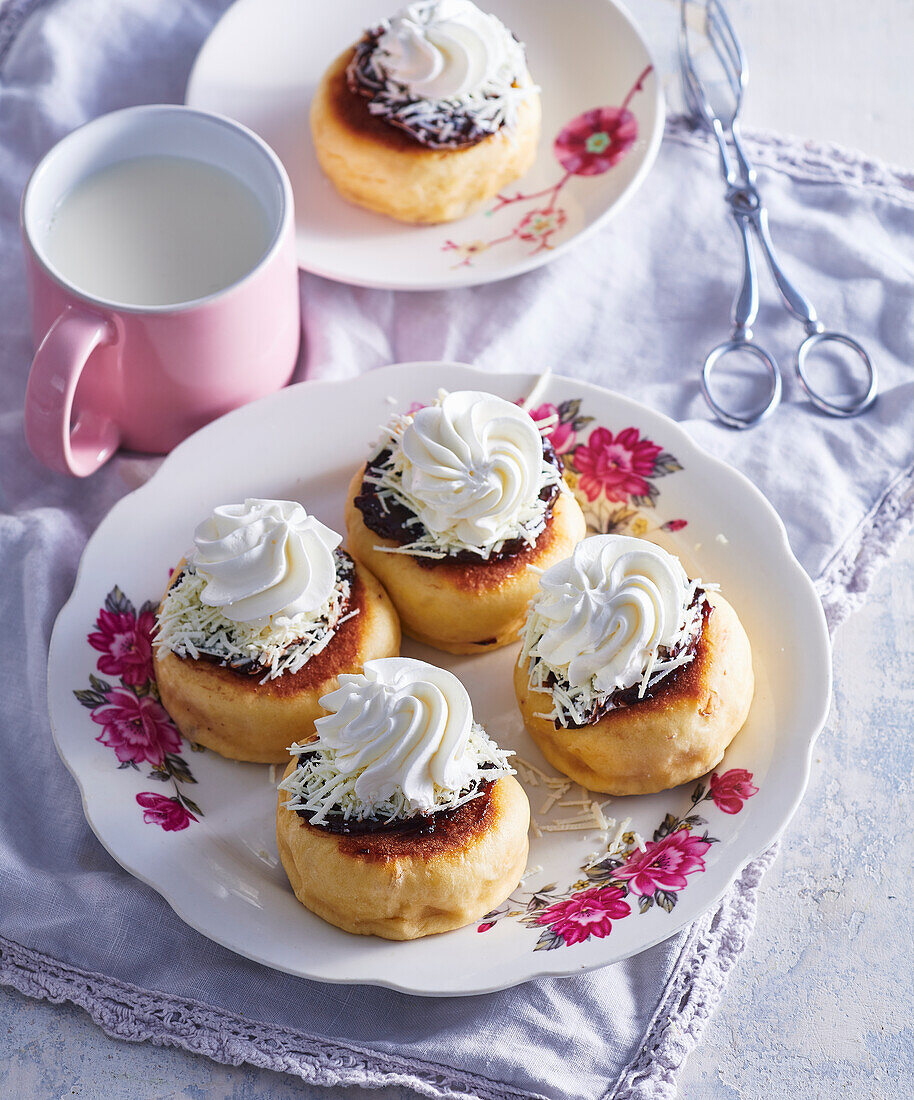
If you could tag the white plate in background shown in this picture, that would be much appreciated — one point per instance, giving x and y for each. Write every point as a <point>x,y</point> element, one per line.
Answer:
<point>261,65</point>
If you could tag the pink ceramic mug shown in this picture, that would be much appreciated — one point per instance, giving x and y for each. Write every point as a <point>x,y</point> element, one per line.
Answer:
<point>109,374</point>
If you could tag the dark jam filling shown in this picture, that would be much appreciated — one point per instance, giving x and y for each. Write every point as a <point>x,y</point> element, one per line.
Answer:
<point>417,825</point>
<point>345,571</point>
<point>440,127</point>
<point>627,697</point>
<point>394,520</point>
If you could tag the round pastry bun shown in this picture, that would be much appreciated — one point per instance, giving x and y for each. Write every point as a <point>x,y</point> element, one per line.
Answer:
<point>376,165</point>
<point>402,885</point>
<point>675,736</point>
<point>236,715</point>
<point>464,607</point>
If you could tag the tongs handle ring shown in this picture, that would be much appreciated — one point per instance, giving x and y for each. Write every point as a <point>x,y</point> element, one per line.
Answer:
<point>854,407</point>
<point>737,420</point>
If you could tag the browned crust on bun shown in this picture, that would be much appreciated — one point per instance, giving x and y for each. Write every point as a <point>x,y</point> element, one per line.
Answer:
<point>235,714</point>
<point>402,887</point>
<point>676,735</point>
<point>464,607</point>
<point>351,111</point>
<point>382,168</point>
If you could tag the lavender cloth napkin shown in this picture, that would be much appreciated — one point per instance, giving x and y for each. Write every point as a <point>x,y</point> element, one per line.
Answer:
<point>639,302</point>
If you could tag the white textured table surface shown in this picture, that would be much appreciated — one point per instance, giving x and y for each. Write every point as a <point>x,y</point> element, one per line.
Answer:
<point>822,1002</point>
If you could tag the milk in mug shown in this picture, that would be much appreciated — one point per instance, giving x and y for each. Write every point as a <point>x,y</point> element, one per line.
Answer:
<point>157,231</point>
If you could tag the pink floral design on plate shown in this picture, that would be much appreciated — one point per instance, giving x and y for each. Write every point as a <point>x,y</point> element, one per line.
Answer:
<point>596,141</point>
<point>125,641</point>
<point>589,145</point>
<point>614,474</point>
<point>617,466</point>
<point>664,864</point>
<point>655,876</point>
<point>134,722</point>
<point>587,913</point>
<point>137,727</point>
<point>731,789</point>
<point>561,433</point>
<point>159,809</point>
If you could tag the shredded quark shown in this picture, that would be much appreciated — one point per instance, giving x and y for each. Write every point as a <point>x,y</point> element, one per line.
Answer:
<point>264,589</point>
<point>472,472</point>
<point>399,741</point>
<point>619,614</point>
<point>443,71</point>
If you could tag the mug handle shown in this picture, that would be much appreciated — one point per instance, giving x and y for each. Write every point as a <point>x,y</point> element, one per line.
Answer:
<point>55,374</point>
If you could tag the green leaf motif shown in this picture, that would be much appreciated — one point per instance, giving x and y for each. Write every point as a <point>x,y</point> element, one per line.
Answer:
<point>568,410</point>
<point>90,699</point>
<point>189,804</point>
<point>645,903</point>
<point>118,604</point>
<point>666,899</point>
<point>101,686</point>
<point>665,464</point>
<point>178,769</point>
<point>667,826</point>
<point>549,940</point>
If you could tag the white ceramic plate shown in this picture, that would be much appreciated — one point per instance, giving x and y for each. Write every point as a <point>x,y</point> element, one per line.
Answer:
<point>637,472</point>
<point>262,63</point>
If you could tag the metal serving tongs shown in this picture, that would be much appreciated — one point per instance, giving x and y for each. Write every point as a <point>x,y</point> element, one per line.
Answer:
<point>751,218</point>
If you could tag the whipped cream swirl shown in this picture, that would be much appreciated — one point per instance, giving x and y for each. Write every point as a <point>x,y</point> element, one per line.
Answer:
<point>602,616</point>
<point>444,49</point>
<point>472,468</point>
<point>399,740</point>
<point>264,560</point>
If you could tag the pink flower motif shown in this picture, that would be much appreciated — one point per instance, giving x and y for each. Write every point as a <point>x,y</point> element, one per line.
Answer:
<point>675,525</point>
<point>588,913</point>
<point>665,863</point>
<point>167,812</point>
<point>731,789</point>
<point>561,436</point>
<point>615,464</point>
<point>595,141</point>
<point>136,727</point>
<point>485,926</point>
<point>540,225</point>
<point>125,642</point>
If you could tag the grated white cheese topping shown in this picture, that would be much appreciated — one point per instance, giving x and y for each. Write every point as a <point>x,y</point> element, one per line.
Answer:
<point>600,621</point>
<point>319,787</point>
<point>481,486</point>
<point>189,628</point>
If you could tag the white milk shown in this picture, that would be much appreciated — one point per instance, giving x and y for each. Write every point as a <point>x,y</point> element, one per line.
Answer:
<point>156,231</point>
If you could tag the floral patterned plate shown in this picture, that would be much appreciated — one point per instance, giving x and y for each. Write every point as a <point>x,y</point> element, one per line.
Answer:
<point>200,829</point>
<point>602,125</point>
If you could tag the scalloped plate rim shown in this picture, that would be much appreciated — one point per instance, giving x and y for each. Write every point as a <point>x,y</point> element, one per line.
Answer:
<point>715,881</point>
<point>474,276</point>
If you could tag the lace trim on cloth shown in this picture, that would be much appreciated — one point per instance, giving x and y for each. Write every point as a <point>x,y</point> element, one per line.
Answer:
<point>843,584</point>
<point>711,946</point>
<point>714,944</point>
<point>129,1012</point>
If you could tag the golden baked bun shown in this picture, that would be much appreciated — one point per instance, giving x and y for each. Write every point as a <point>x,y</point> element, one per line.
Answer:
<point>402,885</point>
<point>236,715</point>
<point>676,735</point>
<point>464,607</point>
<point>376,165</point>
